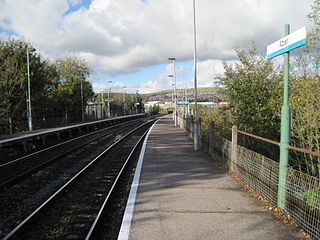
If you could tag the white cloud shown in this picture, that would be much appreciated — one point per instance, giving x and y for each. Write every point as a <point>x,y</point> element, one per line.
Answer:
<point>162,82</point>
<point>208,71</point>
<point>109,87</point>
<point>124,36</point>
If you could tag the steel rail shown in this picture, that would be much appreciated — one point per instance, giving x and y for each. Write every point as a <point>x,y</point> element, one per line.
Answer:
<point>62,143</point>
<point>97,220</point>
<point>13,180</point>
<point>26,136</point>
<point>19,229</point>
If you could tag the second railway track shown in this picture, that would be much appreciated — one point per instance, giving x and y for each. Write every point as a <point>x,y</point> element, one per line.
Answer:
<point>73,211</point>
<point>14,171</point>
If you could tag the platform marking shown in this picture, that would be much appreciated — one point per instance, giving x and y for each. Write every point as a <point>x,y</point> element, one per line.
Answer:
<point>127,217</point>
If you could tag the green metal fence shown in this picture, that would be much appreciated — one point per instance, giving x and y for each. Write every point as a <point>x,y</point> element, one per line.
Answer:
<point>302,201</point>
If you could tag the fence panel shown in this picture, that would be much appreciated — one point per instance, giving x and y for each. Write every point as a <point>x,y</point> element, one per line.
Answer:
<point>261,174</point>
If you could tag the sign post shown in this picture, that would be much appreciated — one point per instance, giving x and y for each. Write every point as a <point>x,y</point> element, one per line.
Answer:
<point>284,46</point>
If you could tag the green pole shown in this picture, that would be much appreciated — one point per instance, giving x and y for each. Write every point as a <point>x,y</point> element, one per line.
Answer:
<point>285,132</point>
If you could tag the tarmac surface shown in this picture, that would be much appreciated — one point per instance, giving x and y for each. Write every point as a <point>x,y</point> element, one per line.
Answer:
<point>182,194</point>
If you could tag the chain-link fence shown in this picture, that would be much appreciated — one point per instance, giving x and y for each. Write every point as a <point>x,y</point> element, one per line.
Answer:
<point>302,201</point>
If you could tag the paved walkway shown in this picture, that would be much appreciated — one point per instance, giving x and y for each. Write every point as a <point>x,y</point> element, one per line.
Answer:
<point>184,195</point>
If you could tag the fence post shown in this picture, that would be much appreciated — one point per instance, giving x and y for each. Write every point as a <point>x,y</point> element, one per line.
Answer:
<point>211,136</point>
<point>234,153</point>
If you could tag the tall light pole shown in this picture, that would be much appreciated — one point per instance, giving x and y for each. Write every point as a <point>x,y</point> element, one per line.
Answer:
<point>137,92</point>
<point>124,100</point>
<point>185,101</point>
<point>187,111</point>
<point>172,84</point>
<point>175,90</point>
<point>196,117</point>
<point>186,91</point>
<point>82,112</point>
<point>29,115</point>
<point>109,112</point>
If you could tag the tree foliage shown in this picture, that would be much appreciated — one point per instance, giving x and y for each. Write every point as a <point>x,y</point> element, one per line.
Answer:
<point>14,84</point>
<point>305,98</point>
<point>253,88</point>
<point>54,86</point>
<point>122,103</point>
<point>71,88</point>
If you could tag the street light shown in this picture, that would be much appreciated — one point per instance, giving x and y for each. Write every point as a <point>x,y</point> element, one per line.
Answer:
<point>109,110</point>
<point>103,106</point>
<point>29,115</point>
<point>82,110</point>
<point>137,92</point>
<point>172,84</point>
<point>175,89</point>
<point>185,101</point>
<point>124,100</point>
<point>196,118</point>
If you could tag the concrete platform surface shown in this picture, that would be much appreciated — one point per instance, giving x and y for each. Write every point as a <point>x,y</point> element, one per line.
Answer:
<point>183,194</point>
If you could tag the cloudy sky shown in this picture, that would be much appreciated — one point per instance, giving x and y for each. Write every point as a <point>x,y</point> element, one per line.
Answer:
<point>128,42</point>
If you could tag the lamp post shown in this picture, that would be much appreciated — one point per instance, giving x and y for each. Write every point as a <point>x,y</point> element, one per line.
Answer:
<point>109,112</point>
<point>172,84</point>
<point>82,112</point>
<point>185,102</point>
<point>29,115</point>
<point>103,104</point>
<point>137,92</point>
<point>196,118</point>
<point>175,89</point>
<point>124,100</point>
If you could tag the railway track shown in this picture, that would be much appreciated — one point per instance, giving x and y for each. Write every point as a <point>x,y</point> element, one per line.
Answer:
<point>75,210</point>
<point>12,172</point>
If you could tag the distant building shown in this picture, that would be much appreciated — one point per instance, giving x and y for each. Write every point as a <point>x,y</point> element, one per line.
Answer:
<point>213,104</point>
<point>152,103</point>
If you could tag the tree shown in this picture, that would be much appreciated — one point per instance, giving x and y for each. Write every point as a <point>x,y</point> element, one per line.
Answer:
<point>136,99</point>
<point>117,104</point>
<point>59,87</point>
<point>43,75</point>
<point>305,98</point>
<point>72,88</point>
<point>253,88</point>
<point>12,78</point>
<point>13,84</point>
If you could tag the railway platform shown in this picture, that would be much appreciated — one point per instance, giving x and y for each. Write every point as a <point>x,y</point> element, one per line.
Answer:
<point>178,193</point>
<point>24,142</point>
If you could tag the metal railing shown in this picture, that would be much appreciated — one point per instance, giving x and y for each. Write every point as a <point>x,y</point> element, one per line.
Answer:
<point>302,201</point>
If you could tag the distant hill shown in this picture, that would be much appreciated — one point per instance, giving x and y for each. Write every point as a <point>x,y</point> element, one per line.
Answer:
<point>204,95</point>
